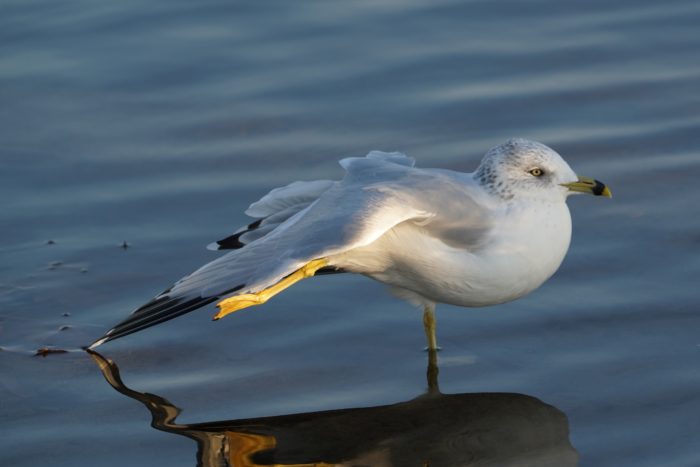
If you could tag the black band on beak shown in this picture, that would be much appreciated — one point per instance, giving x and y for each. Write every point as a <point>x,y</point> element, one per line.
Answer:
<point>599,188</point>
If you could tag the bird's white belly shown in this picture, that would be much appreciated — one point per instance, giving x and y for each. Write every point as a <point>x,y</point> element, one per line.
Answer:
<point>524,250</point>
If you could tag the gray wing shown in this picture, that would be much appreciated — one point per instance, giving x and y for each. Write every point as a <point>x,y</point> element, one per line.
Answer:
<point>377,193</point>
<point>272,210</point>
<point>280,204</point>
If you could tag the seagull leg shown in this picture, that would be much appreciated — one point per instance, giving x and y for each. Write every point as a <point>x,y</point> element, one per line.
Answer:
<point>429,327</point>
<point>238,302</point>
<point>432,373</point>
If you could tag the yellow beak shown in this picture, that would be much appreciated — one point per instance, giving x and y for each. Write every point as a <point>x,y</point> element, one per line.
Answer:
<point>590,186</point>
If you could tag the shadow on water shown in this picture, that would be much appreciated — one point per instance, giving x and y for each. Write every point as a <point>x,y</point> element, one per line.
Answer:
<point>434,429</point>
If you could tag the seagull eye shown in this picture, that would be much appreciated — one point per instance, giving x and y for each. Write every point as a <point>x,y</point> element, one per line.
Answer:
<point>536,172</point>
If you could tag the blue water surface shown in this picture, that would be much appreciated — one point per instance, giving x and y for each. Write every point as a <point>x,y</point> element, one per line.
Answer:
<point>157,123</point>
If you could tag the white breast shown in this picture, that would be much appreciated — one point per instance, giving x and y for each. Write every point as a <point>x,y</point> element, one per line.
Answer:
<point>525,248</point>
<point>528,247</point>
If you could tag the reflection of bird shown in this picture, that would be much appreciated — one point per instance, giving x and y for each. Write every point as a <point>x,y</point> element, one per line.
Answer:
<point>434,236</point>
<point>433,429</point>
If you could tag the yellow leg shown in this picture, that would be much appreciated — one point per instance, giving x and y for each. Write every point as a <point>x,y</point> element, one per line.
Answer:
<point>433,372</point>
<point>239,302</point>
<point>429,327</point>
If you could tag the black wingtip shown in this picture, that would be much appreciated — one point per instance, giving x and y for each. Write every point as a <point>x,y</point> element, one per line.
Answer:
<point>156,311</point>
<point>329,270</point>
<point>233,242</point>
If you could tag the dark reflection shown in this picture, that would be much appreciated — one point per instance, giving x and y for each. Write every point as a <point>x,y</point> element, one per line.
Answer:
<point>432,430</point>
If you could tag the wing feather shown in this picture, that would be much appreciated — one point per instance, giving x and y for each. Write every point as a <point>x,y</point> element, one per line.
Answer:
<point>377,193</point>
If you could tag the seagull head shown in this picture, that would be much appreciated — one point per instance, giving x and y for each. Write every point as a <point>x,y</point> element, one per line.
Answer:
<point>520,168</point>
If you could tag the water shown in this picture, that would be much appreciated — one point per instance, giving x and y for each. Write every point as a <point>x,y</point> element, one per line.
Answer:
<point>157,124</point>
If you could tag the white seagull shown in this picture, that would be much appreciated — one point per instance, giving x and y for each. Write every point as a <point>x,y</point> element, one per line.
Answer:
<point>432,235</point>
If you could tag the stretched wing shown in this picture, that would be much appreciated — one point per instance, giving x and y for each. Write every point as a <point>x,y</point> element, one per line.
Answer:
<point>282,203</point>
<point>272,210</point>
<point>347,214</point>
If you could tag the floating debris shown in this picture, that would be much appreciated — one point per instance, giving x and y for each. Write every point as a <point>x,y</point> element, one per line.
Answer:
<point>44,351</point>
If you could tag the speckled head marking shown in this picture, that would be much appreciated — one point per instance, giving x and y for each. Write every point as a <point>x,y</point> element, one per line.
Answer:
<point>522,168</point>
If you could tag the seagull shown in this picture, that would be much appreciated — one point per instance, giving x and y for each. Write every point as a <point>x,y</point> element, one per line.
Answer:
<point>432,235</point>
